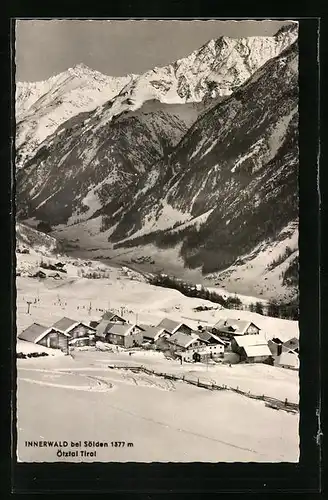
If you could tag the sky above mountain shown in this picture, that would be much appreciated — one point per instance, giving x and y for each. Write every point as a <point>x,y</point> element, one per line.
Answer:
<point>116,48</point>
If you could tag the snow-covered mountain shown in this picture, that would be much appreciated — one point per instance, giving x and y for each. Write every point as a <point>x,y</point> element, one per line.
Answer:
<point>88,162</point>
<point>217,68</point>
<point>212,71</point>
<point>43,106</point>
<point>231,183</point>
<point>209,173</point>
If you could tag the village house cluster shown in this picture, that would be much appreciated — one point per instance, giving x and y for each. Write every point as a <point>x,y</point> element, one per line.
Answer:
<point>228,340</point>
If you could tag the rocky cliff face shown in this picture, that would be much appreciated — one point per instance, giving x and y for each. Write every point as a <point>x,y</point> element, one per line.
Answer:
<point>89,162</point>
<point>234,173</point>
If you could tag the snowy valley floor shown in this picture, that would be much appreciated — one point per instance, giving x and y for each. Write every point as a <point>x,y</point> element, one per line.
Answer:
<point>165,420</point>
<point>59,398</point>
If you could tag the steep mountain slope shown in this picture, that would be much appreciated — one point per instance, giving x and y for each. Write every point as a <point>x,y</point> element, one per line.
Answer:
<point>42,106</point>
<point>91,161</point>
<point>213,71</point>
<point>31,239</point>
<point>234,173</point>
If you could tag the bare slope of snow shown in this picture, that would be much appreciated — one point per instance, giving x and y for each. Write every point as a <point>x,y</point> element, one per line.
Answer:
<point>170,429</point>
<point>260,272</point>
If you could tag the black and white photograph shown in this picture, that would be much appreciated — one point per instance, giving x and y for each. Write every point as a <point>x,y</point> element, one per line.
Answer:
<point>157,244</point>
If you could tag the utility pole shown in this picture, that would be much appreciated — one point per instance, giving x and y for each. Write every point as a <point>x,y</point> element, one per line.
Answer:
<point>28,306</point>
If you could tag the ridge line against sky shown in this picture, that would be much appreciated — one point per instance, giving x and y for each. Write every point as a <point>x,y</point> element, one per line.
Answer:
<point>45,48</point>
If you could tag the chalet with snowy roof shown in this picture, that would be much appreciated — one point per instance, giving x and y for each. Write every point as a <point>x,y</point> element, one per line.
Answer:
<point>231,327</point>
<point>184,341</point>
<point>204,352</point>
<point>46,336</point>
<point>251,348</point>
<point>174,326</point>
<point>81,334</point>
<point>153,333</point>
<point>113,317</point>
<point>126,335</point>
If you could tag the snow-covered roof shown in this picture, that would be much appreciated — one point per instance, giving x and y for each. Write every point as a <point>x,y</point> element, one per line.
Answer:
<point>36,332</point>
<point>236,326</point>
<point>117,329</point>
<point>257,350</point>
<point>170,325</point>
<point>108,315</point>
<point>152,332</point>
<point>67,324</point>
<point>32,332</point>
<point>250,340</point>
<point>288,359</point>
<point>103,327</point>
<point>182,339</point>
<point>206,336</point>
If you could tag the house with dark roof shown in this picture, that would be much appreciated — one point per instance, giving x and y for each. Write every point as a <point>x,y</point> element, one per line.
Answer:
<point>292,345</point>
<point>173,326</point>
<point>153,333</point>
<point>230,327</point>
<point>81,334</point>
<point>126,335</point>
<point>46,336</point>
<point>210,338</point>
<point>113,317</point>
<point>251,348</point>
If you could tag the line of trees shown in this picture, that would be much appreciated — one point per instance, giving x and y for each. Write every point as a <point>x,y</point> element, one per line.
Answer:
<point>274,308</point>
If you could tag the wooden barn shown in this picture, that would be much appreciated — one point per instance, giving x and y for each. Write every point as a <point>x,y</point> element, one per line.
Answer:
<point>126,335</point>
<point>81,334</point>
<point>251,349</point>
<point>46,336</point>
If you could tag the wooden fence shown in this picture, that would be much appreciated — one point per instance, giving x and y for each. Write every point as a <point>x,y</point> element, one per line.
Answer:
<point>277,404</point>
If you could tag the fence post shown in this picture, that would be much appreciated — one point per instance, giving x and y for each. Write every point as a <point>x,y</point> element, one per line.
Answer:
<point>198,381</point>
<point>286,401</point>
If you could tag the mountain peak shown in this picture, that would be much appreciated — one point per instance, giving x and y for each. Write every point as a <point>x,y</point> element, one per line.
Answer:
<point>288,28</point>
<point>81,68</point>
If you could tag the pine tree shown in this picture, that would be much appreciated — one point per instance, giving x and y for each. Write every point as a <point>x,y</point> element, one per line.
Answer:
<point>259,308</point>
